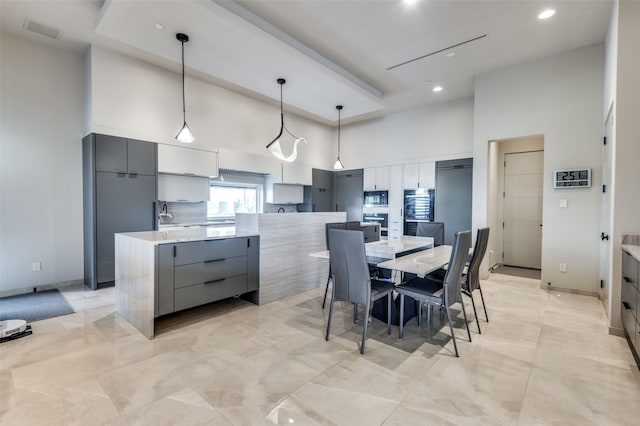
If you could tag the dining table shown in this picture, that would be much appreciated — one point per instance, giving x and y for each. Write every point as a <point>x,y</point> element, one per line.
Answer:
<point>383,250</point>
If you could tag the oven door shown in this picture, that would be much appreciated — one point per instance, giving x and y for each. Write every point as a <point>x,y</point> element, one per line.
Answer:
<point>379,218</point>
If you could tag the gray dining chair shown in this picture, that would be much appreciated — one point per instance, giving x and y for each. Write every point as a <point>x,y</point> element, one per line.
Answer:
<point>327,227</point>
<point>441,293</point>
<point>351,280</point>
<point>431,229</point>
<point>471,280</point>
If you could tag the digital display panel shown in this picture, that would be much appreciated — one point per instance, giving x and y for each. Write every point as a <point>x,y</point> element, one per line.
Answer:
<point>576,178</point>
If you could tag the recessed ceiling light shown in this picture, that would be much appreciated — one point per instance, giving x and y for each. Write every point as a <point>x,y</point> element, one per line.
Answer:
<point>159,26</point>
<point>437,89</point>
<point>450,54</point>
<point>545,14</point>
<point>409,1</point>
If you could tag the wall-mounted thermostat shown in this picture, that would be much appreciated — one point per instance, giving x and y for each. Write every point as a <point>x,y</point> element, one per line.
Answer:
<point>574,178</point>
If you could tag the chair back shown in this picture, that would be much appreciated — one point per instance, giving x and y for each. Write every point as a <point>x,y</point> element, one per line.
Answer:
<point>432,229</point>
<point>479,250</point>
<point>453,277</point>
<point>352,226</point>
<point>327,226</point>
<point>349,267</point>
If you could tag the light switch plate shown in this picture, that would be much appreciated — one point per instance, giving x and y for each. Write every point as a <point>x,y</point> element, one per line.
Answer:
<point>563,203</point>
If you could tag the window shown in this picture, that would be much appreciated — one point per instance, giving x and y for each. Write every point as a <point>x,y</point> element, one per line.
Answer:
<point>237,193</point>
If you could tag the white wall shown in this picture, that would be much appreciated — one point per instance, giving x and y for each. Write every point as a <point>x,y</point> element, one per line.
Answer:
<point>559,97</point>
<point>41,164</point>
<point>422,134</point>
<point>136,99</point>
<point>624,91</point>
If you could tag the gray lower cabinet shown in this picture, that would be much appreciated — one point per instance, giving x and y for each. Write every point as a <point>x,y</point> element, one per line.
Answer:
<point>195,273</point>
<point>630,297</point>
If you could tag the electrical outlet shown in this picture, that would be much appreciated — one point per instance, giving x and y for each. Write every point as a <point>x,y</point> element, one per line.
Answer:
<point>36,266</point>
<point>562,267</point>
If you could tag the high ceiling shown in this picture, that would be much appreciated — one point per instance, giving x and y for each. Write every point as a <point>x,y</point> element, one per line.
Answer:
<point>330,51</point>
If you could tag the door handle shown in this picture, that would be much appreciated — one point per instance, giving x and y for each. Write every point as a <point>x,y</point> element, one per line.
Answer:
<point>604,236</point>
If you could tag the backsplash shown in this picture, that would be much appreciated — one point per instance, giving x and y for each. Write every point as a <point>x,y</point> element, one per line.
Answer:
<point>631,239</point>
<point>273,208</point>
<point>183,212</point>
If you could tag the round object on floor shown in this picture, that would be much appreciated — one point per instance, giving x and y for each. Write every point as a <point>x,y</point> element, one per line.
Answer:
<point>10,327</point>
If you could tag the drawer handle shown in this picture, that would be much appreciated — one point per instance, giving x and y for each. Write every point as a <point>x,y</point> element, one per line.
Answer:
<point>215,260</point>
<point>626,305</point>
<point>215,281</point>
<point>627,279</point>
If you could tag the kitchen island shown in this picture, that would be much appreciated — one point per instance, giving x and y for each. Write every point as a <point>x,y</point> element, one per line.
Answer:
<point>286,240</point>
<point>161,272</point>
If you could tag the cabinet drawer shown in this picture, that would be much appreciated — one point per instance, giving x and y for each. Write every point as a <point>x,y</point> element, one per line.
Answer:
<point>630,268</point>
<point>202,251</point>
<point>204,272</point>
<point>629,297</point>
<point>195,295</point>
<point>629,323</point>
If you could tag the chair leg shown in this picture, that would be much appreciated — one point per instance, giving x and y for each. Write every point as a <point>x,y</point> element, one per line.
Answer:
<point>364,326</point>
<point>483,305</point>
<point>466,321</point>
<point>419,303</point>
<point>453,335</point>
<point>330,313</point>
<point>389,297</point>
<point>326,289</point>
<point>355,313</point>
<point>473,303</point>
<point>401,315</point>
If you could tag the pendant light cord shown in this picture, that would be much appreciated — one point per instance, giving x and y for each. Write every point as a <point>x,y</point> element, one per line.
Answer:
<point>184,111</point>
<point>339,133</point>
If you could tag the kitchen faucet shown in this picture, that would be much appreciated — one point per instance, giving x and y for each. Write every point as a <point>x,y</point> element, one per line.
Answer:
<point>164,212</point>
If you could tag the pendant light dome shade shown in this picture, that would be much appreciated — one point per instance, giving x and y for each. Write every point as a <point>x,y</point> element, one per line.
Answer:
<point>274,146</point>
<point>184,135</point>
<point>338,164</point>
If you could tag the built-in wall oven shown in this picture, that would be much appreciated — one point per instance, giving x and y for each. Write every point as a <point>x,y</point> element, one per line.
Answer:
<point>375,198</point>
<point>418,207</point>
<point>379,218</point>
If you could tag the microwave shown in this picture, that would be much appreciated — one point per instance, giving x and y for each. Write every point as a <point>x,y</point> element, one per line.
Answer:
<point>376,198</point>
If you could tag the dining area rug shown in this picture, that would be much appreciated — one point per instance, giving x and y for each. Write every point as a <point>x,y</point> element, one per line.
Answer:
<point>35,306</point>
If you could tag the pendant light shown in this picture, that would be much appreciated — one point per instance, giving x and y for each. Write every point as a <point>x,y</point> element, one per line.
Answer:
<point>184,135</point>
<point>338,164</point>
<point>274,145</point>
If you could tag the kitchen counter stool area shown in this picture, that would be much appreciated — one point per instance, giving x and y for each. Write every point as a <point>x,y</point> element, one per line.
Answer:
<point>162,272</point>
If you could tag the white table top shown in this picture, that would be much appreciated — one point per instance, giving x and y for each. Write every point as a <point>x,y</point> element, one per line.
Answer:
<point>420,263</point>
<point>388,249</point>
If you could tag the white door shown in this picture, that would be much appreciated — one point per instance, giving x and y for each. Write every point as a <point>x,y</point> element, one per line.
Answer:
<point>605,213</point>
<point>522,210</point>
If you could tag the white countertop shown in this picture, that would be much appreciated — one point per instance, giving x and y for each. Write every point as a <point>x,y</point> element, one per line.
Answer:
<point>186,234</point>
<point>632,250</point>
<point>388,249</point>
<point>420,263</point>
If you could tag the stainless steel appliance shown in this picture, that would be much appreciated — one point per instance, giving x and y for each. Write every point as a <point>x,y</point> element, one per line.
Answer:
<point>376,198</point>
<point>379,218</point>
<point>418,207</point>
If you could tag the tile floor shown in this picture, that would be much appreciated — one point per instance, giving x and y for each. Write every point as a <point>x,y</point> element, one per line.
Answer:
<point>545,358</point>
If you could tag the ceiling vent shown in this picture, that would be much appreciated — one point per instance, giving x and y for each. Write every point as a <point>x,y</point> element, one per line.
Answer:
<point>42,29</point>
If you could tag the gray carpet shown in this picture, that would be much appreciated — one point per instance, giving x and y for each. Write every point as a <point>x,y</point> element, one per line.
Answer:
<point>34,306</point>
<point>518,272</point>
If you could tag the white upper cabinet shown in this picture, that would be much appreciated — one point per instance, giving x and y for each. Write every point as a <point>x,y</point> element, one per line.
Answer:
<point>177,188</point>
<point>296,172</point>
<point>376,179</point>
<point>187,161</point>
<point>422,175</point>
